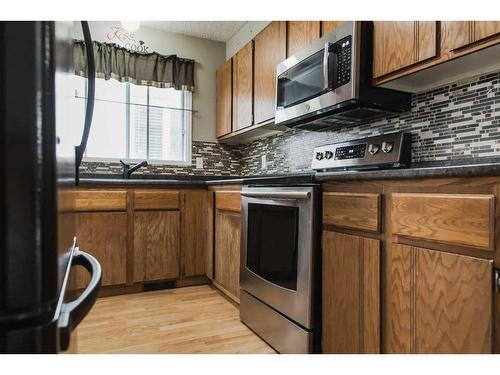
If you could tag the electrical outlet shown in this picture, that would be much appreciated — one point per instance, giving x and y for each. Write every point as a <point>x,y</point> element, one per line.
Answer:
<point>263,162</point>
<point>199,163</point>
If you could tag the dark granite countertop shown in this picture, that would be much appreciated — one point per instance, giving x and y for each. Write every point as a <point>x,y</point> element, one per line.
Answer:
<point>491,168</point>
<point>468,170</point>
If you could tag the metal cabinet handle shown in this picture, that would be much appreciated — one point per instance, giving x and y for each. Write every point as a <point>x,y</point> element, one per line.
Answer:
<point>278,194</point>
<point>72,313</point>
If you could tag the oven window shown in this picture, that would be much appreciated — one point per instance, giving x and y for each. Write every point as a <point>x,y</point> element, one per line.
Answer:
<point>272,243</point>
<point>301,82</point>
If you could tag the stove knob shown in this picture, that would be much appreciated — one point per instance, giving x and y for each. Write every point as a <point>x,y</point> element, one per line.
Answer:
<point>328,154</point>
<point>373,148</point>
<point>387,147</point>
<point>319,156</point>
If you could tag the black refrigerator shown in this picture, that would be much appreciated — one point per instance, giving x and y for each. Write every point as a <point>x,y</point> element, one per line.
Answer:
<point>41,148</point>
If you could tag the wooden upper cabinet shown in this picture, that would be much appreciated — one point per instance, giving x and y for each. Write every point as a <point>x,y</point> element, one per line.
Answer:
<point>300,34</point>
<point>351,294</point>
<point>243,87</point>
<point>485,29</point>
<point>393,46</point>
<point>398,45</point>
<point>270,50</point>
<point>327,26</point>
<point>436,302</point>
<point>454,34</point>
<point>224,99</point>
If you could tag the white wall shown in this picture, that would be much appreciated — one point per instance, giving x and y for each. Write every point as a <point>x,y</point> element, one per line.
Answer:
<point>209,55</point>
<point>243,36</point>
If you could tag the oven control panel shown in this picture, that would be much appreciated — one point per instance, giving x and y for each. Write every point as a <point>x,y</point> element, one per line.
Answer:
<point>384,151</point>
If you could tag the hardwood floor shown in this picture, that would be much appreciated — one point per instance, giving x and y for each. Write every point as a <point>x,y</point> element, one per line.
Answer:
<point>185,320</point>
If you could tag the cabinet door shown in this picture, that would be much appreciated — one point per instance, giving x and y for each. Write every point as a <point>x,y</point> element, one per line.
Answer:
<point>270,50</point>
<point>351,294</point>
<point>243,87</point>
<point>193,231</point>
<point>393,46</point>
<point>224,99</point>
<point>437,302</point>
<point>454,34</point>
<point>103,235</point>
<point>485,29</point>
<point>327,26</point>
<point>156,245</point>
<point>227,251</point>
<point>300,34</point>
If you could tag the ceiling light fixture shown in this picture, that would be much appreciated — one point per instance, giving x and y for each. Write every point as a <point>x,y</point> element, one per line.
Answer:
<point>131,25</point>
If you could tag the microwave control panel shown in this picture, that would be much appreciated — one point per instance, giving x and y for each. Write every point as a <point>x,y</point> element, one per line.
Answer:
<point>343,52</point>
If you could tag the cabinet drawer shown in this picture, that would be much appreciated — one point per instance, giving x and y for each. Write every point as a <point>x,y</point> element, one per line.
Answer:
<point>100,200</point>
<point>352,210</point>
<point>228,200</point>
<point>156,200</point>
<point>461,219</point>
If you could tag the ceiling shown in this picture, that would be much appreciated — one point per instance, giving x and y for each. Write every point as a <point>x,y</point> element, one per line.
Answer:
<point>213,30</point>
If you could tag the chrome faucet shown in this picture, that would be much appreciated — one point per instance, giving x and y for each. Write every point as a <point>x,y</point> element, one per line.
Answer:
<point>128,170</point>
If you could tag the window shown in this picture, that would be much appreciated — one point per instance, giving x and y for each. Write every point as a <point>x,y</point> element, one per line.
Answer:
<point>138,123</point>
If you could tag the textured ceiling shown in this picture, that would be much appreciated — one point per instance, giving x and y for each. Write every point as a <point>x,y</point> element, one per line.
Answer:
<point>213,30</point>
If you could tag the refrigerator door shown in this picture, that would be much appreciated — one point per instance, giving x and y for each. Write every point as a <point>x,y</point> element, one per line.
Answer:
<point>38,135</point>
<point>29,256</point>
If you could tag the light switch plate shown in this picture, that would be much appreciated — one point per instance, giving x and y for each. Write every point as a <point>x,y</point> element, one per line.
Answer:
<point>263,162</point>
<point>199,163</point>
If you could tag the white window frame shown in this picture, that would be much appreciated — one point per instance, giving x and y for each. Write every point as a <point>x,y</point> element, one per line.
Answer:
<point>187,120</point>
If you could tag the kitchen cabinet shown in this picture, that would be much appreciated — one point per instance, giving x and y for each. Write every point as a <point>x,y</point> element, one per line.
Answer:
<point>193,232</point>
<point>351,294</point>
<point>243,87</point>
<point>300,34</point>
<point>485,29</point>
<point>224,99</point>
<point>437,302</point>
<point>270,50</point>
<point>403,48</point>
<point>327,26</point>
<point>437,251</point>
<point>397,45</point>
<point>227,242</point>
<point>103,235</point>
<point>156,245</point>
<point>454,35</point>
<point>351,273</point>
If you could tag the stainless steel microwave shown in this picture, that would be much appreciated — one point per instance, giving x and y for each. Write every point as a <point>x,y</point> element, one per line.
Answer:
<point>329,83</point>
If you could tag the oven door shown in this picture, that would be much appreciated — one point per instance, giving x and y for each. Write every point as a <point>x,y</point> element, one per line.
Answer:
<point>277,249</point>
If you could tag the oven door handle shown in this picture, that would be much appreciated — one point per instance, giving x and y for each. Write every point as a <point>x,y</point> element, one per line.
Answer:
<point>278,194</point>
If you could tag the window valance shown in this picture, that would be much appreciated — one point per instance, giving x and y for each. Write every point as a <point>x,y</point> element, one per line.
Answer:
<point>151,69</point>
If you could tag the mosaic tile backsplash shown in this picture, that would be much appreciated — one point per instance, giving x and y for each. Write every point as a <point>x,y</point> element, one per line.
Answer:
<point>459,123</point>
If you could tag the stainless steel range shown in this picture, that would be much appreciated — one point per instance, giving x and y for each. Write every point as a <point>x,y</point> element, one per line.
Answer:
<point>278,277</point>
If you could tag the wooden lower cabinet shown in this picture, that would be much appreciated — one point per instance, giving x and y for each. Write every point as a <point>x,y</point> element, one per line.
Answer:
<point>156,245</point>
<point>351,294</point>
<point>436,302</point>
<point>103,235</point>
<point>227,252</point>
<point>193,232</point>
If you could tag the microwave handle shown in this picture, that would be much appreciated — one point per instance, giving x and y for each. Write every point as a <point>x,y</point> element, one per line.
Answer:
<point>329,83</point>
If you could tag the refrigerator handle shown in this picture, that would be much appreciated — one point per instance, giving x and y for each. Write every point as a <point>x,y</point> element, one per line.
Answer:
<point>72,313</point>
<point>89,51</point>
